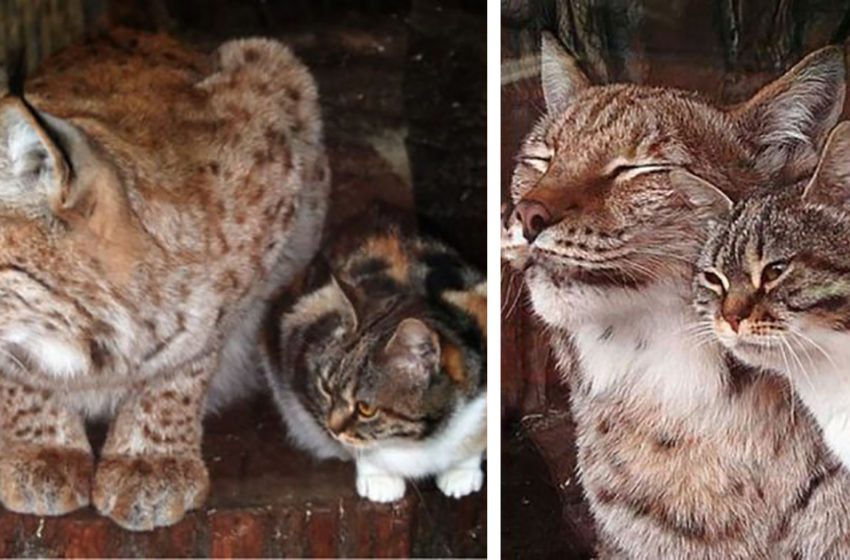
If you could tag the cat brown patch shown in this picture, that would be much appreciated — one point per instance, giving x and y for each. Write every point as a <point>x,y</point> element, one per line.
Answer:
<point>452,362</point>
<point>389,247</point>
<point>473,302</point>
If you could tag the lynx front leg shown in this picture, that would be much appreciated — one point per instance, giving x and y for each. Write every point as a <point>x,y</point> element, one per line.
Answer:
<point>46,462</point>
<point>151,471</point>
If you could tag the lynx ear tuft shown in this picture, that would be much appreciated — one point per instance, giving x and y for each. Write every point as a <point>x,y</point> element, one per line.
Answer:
<point>831,182</point>
<point>560,75</point>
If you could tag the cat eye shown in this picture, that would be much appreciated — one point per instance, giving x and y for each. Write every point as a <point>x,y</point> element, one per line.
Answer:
<point>366,410</point>
<point>713,280</point>
<point>772,271</point>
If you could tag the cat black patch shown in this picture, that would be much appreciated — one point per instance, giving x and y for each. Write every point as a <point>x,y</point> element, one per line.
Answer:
<point>369,267</point>
<point>377,286</point>
<point>445,272</point>
<point>607,334</point>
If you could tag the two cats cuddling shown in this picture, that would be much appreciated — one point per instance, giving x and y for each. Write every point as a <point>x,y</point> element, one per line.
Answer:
<point>153,200</point>
<point>690,262</point>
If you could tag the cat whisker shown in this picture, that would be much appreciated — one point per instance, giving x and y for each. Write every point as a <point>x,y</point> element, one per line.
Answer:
<point>803,372</point>
<point>815,345</point>
<point>790,380</point>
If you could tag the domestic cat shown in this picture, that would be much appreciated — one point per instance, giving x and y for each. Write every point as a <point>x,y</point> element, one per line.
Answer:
<point>151,199</point>
<point>774,288</point>
<point>682,453</point>
<point>384,362</point>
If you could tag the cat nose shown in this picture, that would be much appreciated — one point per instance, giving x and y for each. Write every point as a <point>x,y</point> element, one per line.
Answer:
<point>534,217</point>
<point>734,321</point>
<point>735,317</point>
<point>736,308</point>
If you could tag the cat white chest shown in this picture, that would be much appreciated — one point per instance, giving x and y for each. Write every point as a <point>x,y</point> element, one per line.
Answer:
<point>462,438</point>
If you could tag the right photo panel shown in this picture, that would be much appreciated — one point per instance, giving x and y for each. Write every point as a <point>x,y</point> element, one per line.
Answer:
<point>675,248</point>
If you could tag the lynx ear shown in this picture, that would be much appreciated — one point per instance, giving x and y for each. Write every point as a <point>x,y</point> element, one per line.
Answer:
<point>700,193</point>
<point>414,348</point>
<point>35,169</point>
<point>560,75</point>
<point>790,118</point>
<point>831,182</point>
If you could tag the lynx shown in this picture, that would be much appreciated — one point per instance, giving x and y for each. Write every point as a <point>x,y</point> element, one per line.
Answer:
<point>151,197</point>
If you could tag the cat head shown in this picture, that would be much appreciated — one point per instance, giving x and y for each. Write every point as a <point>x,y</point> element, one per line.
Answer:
<point>372,371</point>
<point>615,184</point>
<point>65,230</point>
<point>774,279</point>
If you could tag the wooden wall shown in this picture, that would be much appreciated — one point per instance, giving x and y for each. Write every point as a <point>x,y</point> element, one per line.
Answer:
<point>44,26</point>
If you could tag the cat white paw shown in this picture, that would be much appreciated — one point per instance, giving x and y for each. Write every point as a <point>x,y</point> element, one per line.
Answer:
<point>457,483</point>
<point>380,487</point>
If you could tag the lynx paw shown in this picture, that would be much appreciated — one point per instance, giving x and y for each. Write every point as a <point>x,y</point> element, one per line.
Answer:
<point>457,483</point>
<point>380,487</point>
<point>45,480</point>
<point>141,493</point>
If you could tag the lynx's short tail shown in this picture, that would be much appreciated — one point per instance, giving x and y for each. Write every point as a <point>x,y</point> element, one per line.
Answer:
<point>269,78</point>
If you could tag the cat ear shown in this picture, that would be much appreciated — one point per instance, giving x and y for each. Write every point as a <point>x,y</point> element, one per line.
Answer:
<point>414,347</point>
<point>560,74</point>
<point>831,182</point>
<point>700,193</point>
<point>790,118</point>
<point>347,296</point>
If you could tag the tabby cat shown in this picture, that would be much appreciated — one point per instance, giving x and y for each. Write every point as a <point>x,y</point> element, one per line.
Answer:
<point>384,362</point>
<point>681,452</point>
<point>774,287</point>
<point>151,197</point>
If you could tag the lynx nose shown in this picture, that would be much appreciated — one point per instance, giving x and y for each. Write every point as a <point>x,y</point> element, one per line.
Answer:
<point>534,217</point>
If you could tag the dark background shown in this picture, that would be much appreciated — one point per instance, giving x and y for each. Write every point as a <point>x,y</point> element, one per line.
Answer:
<point>402,90</point>
<point>725,49</point>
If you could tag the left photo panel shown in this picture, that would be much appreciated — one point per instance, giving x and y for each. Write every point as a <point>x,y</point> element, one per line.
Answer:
<point>243,302</point>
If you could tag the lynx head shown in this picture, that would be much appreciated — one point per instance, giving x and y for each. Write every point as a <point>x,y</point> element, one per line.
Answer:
<point>774,280</point>
<point>615,184</point>
<point>371,371</point>
<point>65,230</point>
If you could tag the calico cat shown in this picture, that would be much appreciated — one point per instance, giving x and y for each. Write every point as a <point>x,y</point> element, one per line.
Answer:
<point>151,199</point>
<point>682,453</point>
<point>384,363</point>
<point>774,288</point>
